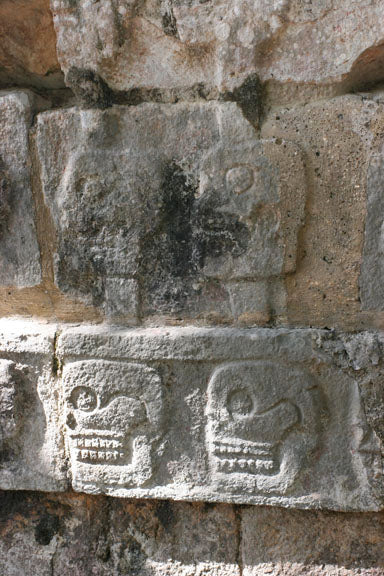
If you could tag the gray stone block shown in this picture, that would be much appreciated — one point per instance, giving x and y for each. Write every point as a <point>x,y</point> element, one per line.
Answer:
<point>263,416</point>
<point>184,43</point>
<point>260,416</point>
<point>19,251</point>
<point>31,448</point>
<point>372,267</point>
<point>197,217</point>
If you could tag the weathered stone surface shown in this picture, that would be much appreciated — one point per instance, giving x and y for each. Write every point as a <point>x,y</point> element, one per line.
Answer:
<point>114,416</point>
<point>77,535</point>
<point>31,450</point>
<point>337,137</point>
<point>28,45</point>
<point>197,216</point>
<point>257,416</point>
<point>295,543</point>
<point>19,252</point>
<point>372,269</point>
<point>180,43</point>
<point>81,535</point>
<point>263,416</point>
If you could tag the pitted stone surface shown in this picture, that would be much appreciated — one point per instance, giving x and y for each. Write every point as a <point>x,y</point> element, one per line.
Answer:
<point>31,448</point>
<point>338,137</point>
<point>180,43</point>
<point>19,251</point>
<point>198,217</point>
<point>261,416</point>
<point>258,416</point>
<point>114,418</point>
<point>372,269</point>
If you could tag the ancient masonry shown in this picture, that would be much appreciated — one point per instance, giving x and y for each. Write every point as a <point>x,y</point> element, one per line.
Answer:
<point>191,287</point>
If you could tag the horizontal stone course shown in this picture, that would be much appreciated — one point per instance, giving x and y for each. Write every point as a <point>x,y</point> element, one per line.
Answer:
<point>257,416</point>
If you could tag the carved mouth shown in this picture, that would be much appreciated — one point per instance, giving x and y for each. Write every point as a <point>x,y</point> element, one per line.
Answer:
<point>96,448</point>
<point>245,457</point>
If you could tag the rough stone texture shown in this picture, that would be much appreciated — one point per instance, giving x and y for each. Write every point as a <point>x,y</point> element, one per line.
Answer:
<point>205,162</point>
<point>371,280</point>
<point>31,449</point>
<point>74,535</point>
<point>277,542</point>
<point>338,137</point>
<point>181,43</point>
<point>28,45</point>
<point>259,429</point>
<point>196,218</point>
<point>194,414</point>
<point>19,252</point>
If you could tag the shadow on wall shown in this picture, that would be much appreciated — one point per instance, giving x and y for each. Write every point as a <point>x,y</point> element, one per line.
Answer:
<point>80,535</point>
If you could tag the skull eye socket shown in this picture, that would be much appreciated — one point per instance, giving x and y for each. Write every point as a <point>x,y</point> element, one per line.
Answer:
<point>240,404</point>
<point>83,398</point>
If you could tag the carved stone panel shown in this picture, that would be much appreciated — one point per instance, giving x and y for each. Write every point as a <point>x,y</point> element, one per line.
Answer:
<point>19,251</point>
<point>31,449</point>
<point>114,420</point>
<point>264,422</point>
<point>199,217</point>
<point>249,416</point>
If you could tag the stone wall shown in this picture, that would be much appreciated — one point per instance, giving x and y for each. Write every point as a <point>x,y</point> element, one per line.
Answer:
<point>191,287</point>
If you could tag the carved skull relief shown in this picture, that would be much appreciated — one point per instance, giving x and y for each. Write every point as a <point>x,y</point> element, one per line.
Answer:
<point>263,423</point>
<point>254,183</point>
<point>113,419</point>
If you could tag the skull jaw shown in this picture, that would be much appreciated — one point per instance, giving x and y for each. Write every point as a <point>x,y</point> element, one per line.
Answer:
<point>277,472</point>
<point>94,474</point>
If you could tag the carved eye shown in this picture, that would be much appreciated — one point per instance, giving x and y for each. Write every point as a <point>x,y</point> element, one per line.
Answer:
<point>84,398</point>
<point>239,179</point>
<point>240,404</point>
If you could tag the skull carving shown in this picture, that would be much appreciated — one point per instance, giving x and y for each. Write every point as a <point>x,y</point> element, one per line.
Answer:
<point>263,422</point>
<point>248,182</point>
<point>113,419</point>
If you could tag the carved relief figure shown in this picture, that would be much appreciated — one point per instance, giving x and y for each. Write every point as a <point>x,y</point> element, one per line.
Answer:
<point>114,419</point>
<point>263,424</point>
<point>250,182</point>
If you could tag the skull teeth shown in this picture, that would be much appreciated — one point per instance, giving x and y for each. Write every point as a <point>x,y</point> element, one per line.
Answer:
<point>242,465</point>
<point>244,451</point>
<point>96,442</point>
<point>99,455</point>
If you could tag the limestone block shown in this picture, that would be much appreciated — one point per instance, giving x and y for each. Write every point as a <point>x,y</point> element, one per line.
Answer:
<point>28,45</point>
<point>297,543</point>
<point>171,209</point>
<point>338,136</point>
<point>31,450</point>
<point>180,43</point>
<point>19,251</point>
<point>372,268</point>
<point>262,416</point>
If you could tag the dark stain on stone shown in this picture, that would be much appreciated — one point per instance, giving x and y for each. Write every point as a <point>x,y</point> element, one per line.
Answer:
<point>89,88</point>
<point>176,220</point>
<point>165,515</point>
<point>134,558</point>
<point>188,231</point>
<point>46,529</point>
<point>249,97</point>
<point>168,21</point>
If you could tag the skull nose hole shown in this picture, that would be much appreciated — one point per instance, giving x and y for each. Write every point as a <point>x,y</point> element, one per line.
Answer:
<point>240,404</point>
<point>83,398</point>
